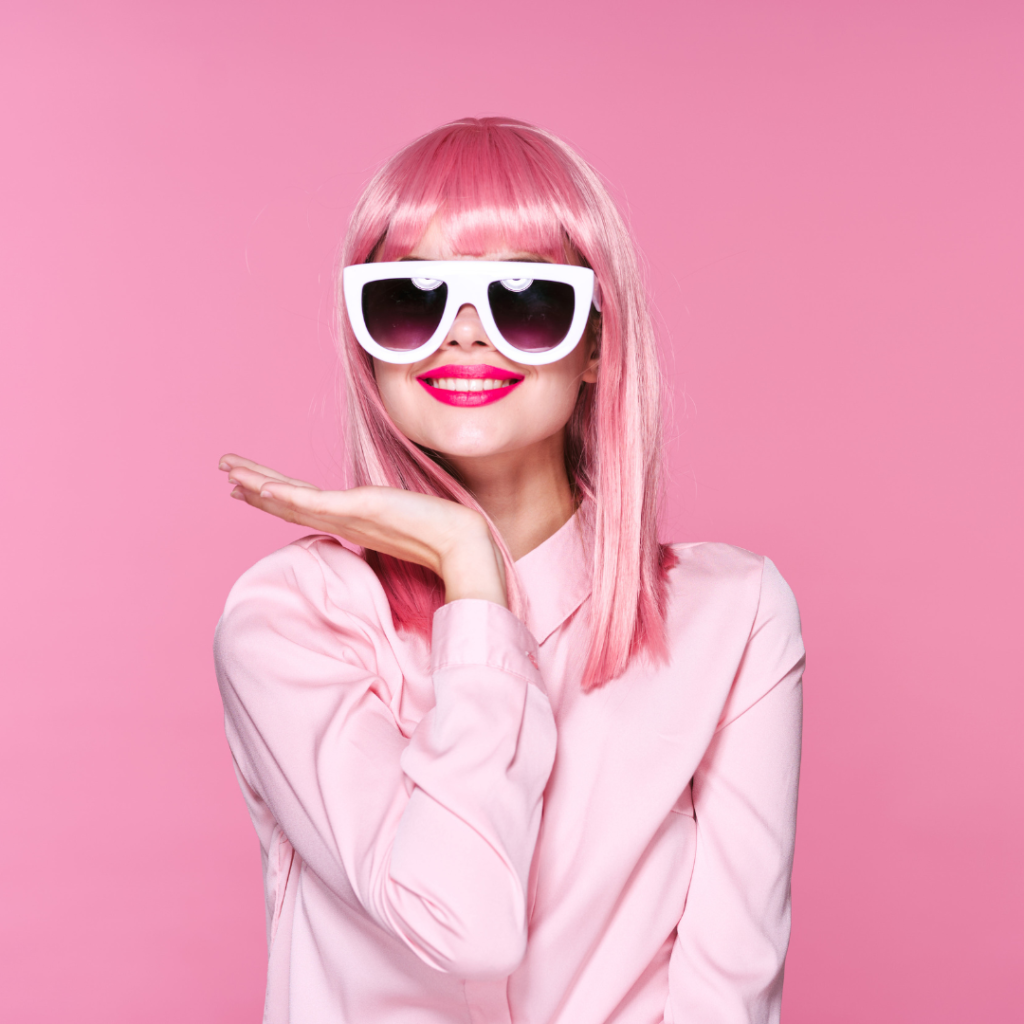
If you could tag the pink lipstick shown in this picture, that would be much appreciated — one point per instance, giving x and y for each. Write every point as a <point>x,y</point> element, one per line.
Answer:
<point>469,385</point>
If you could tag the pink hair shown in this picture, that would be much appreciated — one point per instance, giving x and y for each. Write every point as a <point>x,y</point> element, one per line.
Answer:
<point>498,181</point>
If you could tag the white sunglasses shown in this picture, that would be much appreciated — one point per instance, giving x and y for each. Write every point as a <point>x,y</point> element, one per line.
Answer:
<point>533,313</point>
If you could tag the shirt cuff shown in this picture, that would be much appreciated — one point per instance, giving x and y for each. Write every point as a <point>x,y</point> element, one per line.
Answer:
<point>474,632</point>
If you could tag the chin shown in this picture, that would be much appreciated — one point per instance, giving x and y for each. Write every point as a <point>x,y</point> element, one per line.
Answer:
<point>467,449</point>
<point>465,440</point>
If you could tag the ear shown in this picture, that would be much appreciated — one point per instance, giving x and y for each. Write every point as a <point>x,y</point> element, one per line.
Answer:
<point>594,352</point>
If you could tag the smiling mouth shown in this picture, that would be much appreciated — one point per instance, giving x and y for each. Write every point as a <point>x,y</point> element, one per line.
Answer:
<point>469,385</point>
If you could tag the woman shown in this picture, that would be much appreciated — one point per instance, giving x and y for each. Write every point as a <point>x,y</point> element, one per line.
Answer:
<point>512,760</point>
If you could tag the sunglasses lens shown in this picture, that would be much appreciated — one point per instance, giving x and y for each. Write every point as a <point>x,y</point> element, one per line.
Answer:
<point>533,316</point>
<point>402,313</point>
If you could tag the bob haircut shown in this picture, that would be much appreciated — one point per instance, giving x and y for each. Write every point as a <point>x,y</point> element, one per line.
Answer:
<point>495,182</point>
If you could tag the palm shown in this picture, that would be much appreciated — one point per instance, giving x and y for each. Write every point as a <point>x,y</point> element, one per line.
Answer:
<point>420,528</point>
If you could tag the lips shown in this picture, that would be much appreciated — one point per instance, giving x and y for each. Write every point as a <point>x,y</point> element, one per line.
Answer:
<point>469,385</point>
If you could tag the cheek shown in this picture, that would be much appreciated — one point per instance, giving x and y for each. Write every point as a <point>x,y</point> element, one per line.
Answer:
<point>552,402</point>
<point>544,409</point>
<point>398,395</point>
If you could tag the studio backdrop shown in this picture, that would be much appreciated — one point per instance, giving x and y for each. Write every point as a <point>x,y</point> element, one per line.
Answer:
<point>829,200</point>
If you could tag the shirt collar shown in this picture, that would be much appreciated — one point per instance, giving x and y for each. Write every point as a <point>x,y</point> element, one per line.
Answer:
<point>556,576</point>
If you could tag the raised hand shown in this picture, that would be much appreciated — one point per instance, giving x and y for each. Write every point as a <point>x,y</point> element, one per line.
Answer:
<point>446,537</point>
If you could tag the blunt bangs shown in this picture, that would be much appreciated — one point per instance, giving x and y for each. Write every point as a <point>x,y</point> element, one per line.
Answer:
<point>488,189</point>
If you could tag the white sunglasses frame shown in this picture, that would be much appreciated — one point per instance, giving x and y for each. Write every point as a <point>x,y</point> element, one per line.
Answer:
<point>467,282</point>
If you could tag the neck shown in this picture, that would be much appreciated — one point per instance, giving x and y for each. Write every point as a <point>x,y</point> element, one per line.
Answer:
<point>526,492</point>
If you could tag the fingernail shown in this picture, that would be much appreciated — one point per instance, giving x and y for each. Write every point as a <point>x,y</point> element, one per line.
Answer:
<point>224,466</point>
<point>236,493</point>
<point>266,493</point>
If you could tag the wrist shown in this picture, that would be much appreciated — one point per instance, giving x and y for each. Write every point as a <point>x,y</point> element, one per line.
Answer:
<point>472,567</point>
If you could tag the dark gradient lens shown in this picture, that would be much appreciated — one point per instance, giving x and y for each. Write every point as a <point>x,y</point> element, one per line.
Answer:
<point>535,319</point>
<point>400,316</point>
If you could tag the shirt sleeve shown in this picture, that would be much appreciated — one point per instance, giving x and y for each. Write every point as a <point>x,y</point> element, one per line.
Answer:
<point>727,962</point>
<point>431,834</point>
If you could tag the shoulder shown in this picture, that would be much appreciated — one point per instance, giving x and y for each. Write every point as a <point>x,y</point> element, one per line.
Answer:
<point>739,602</point>
<point>313,587</point>
<point>724,570</point>
<point>715,563</point>
<point>777,603</point>
<point>714,580</point>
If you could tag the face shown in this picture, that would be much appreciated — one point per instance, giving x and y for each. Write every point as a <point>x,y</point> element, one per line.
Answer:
<point>520,407</point>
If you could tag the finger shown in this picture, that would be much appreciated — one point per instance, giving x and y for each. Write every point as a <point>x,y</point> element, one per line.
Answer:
<point>355,504</point>
<point>253,480</point>
<point>230,462</point>
<point>249,479</point>
<point>308,499</point>
<point>286,512</point>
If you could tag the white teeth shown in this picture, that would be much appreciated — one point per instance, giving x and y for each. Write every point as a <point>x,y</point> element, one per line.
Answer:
<point>468,383</point>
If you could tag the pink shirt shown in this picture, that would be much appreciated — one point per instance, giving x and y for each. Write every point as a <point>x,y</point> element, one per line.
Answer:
<point>455,832</point>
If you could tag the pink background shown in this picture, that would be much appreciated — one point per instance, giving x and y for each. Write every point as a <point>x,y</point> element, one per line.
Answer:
<point>830,199</point>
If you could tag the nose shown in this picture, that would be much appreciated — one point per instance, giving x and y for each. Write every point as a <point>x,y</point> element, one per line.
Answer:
<point>467,332</point>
